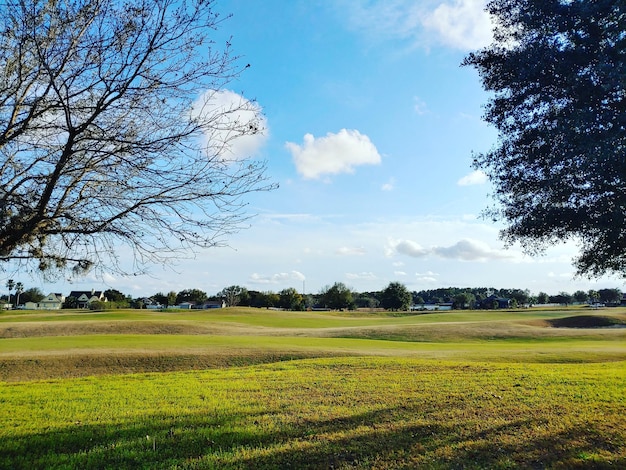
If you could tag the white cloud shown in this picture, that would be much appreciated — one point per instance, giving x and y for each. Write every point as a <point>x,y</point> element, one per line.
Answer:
<point>399,273</point>
<point>470,250</point>
<point>459,24</point>
<point>333,154</point>
<point>462,24</point>
<point>476,177</point>
<point>235,126</point>
<point>463,250</point>
<point>351,251</point>
<point>410,248</point>
<point>278,278</point>
<point>389,185</point>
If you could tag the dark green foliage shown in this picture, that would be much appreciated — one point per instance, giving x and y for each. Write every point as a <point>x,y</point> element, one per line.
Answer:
<point>32,294</point>
<point>396,297</point>
<point>191,295</point>
<point>543,298</point>
<point>113,295</point>
<point>464,300</point>
<point>291,299</point>
<point>338,296</point>
<point>233,295</point>
<point>556,71</point>
<point>610,296</point>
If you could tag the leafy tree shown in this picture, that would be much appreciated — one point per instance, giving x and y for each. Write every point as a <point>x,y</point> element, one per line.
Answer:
<point>162,299</point>
<point>556,71</point>
<point>191,295</point>
<point>464,299</point>
<point>70,302</point>
<point>610,296</point>
<point>396,297</point>
<point>366,300</point>
<point>562,298</point>
<point>337,296</point>
<point>291,299</point>
<point>543,298</point>
<point>170,299</point>
<point>594,296</point>
<point>32,294</point>
<point>232,295</point>
<point>521,296</point>
<point>270,299</point>
<point>112,132</point>
<point>581,296</point>
<point>114,295</point>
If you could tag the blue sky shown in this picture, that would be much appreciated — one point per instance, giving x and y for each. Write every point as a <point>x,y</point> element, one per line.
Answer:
<point>370,128</point>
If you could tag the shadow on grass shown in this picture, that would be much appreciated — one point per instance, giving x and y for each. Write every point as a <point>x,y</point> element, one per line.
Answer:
<point>395,438</point>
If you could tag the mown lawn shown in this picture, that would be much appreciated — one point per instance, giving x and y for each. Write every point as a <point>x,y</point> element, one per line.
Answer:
<point>337,391</point>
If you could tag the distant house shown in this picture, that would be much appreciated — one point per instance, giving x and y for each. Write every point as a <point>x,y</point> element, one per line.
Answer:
<point>54,301</point>
<point>150,303</point>
<point>85,298</point>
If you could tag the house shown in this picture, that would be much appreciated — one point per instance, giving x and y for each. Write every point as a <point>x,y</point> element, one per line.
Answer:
<point>54,301</point>
<point>85,298</point>
<point>151,304</point>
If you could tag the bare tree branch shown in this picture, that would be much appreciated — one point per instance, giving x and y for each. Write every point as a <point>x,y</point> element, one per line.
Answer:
<point>110,134</point>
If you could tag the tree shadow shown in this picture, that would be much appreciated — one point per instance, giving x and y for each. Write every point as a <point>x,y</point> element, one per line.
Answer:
<point>382,438</point>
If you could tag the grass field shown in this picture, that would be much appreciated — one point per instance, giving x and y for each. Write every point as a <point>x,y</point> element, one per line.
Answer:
<point>249,388</point>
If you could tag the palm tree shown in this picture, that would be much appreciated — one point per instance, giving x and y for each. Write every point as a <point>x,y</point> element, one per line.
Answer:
<point>19,288</point>
<point>10,285</point>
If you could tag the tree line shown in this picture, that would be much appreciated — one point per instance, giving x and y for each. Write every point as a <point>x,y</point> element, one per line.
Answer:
<point>395,297</point>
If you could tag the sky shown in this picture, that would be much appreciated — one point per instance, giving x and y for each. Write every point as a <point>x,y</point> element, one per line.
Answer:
<point>370,129</point>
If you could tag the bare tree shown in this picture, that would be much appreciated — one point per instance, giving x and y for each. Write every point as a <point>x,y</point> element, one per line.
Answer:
<point>113,132</point>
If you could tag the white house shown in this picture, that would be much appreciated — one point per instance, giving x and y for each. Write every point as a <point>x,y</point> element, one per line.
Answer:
<point>53,301</point>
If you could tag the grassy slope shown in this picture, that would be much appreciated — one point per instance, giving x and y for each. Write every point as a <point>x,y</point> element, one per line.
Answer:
<point>446,390</point>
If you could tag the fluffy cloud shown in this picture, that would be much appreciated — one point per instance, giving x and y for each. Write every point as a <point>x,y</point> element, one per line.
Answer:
<point>410,248</point>
<point>389,185</point>
<point>460,24</point>
<point>474,178</point>
<point>278,278</point>
<point>333,154</point>
<point>235,129</point>
<point>470,250</point>
<point>351,251</point>
<point>463,250</point>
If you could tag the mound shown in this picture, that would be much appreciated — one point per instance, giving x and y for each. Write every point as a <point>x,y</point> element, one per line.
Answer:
<point>586,321</point>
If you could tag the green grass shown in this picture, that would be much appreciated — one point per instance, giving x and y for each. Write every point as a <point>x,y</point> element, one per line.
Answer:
<point>254,389</point>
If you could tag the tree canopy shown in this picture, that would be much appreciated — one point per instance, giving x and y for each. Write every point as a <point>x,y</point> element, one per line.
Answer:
<point>111,134</point>
<point>556,71</point>
<point>396,297</point>
<point>337,296</point>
